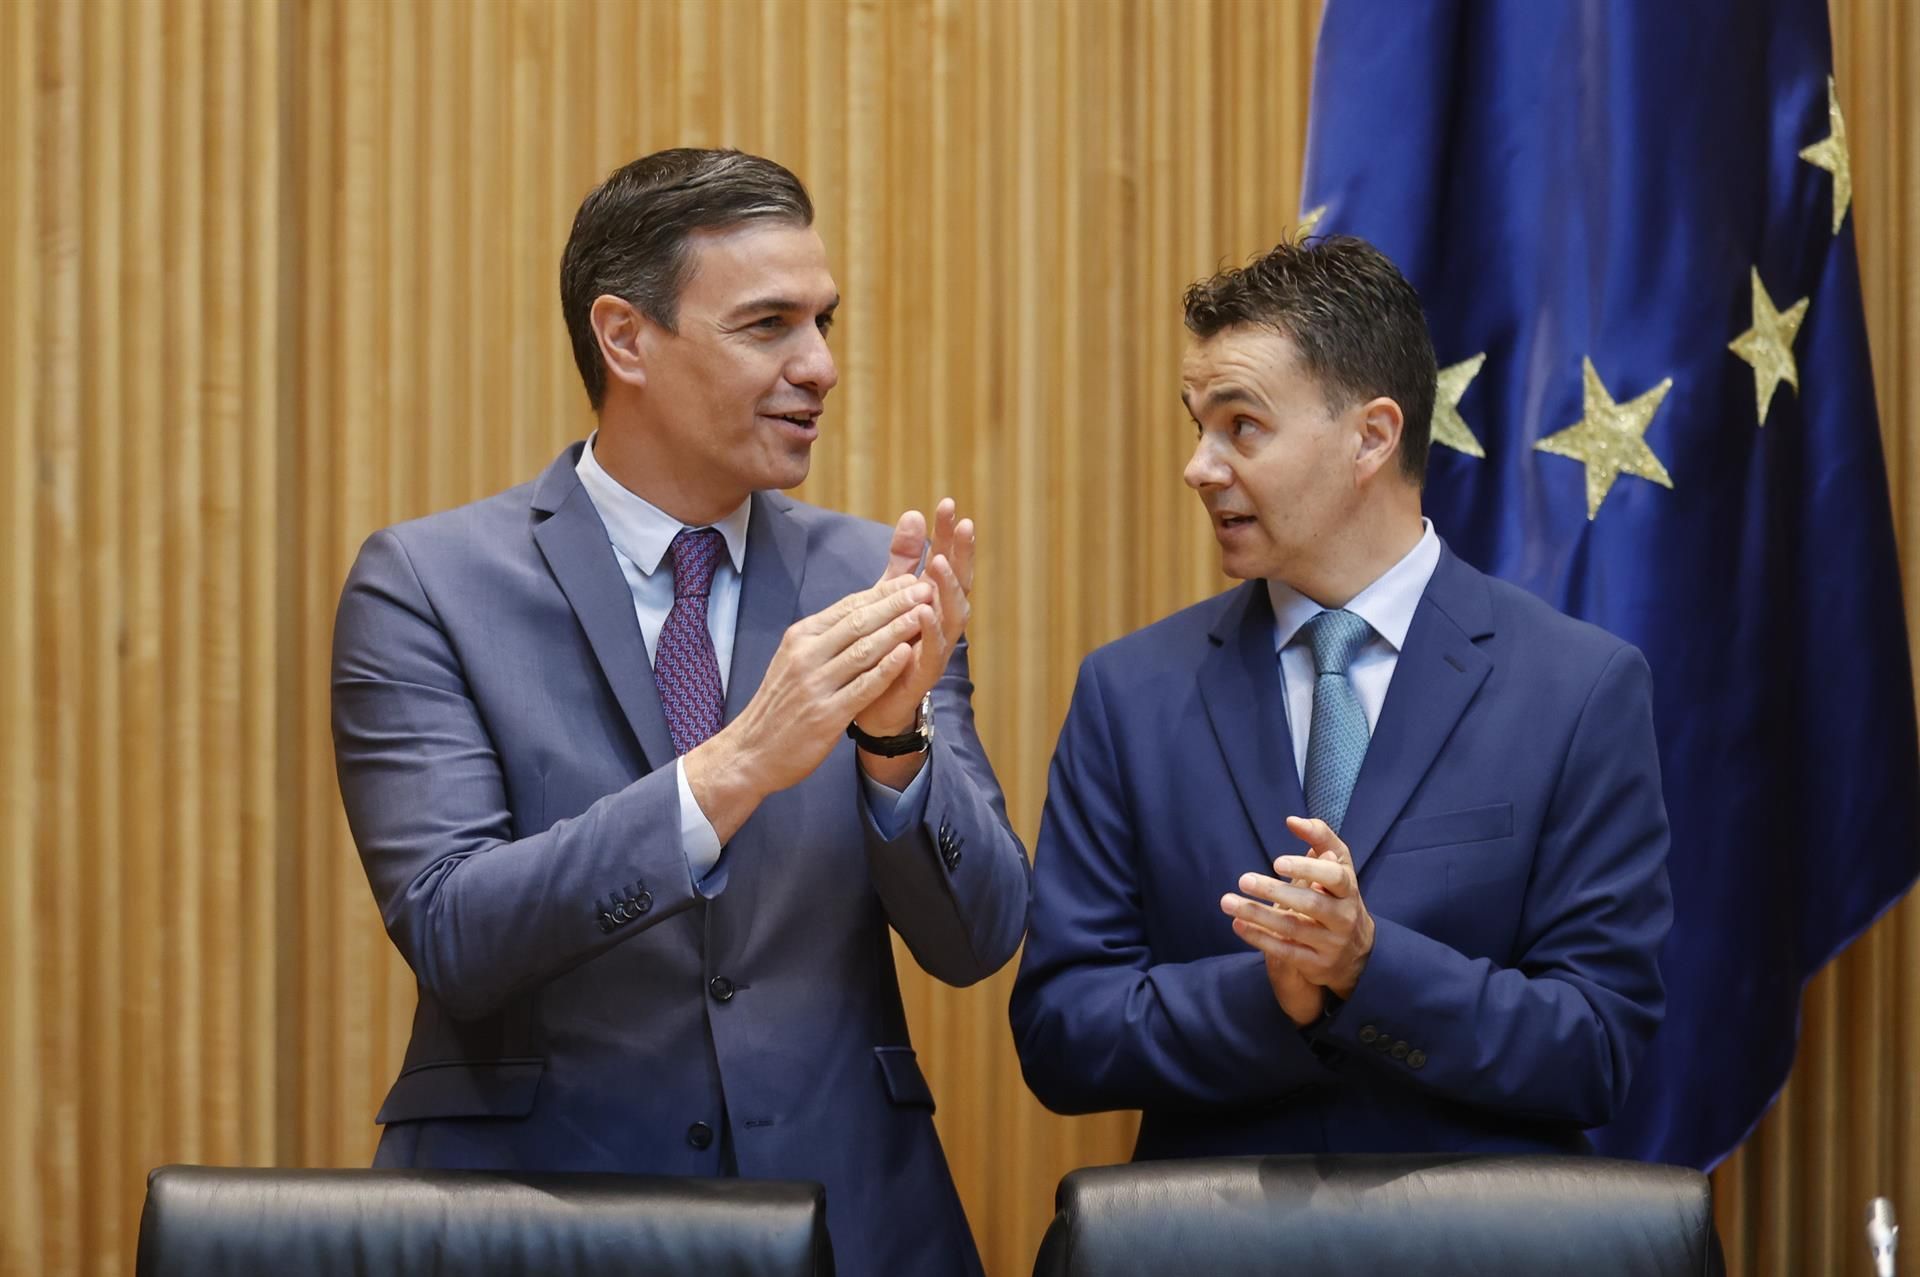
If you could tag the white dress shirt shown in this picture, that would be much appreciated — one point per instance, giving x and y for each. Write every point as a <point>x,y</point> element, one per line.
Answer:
<point>641,533</point>
<point>1387,605</point>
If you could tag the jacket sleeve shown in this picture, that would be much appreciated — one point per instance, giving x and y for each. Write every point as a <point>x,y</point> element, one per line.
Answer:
<point>479,915</point>
<point>1097,1022</point>
<point>1554,1036</point>
<point>955,882</point>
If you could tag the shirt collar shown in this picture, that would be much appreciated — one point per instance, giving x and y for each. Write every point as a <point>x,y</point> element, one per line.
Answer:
<point>641,530</point>
<point>1387,605</point>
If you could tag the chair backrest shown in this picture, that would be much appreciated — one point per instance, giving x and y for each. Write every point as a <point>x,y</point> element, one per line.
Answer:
<point>1431,1215</point>
<point>207,1221</point>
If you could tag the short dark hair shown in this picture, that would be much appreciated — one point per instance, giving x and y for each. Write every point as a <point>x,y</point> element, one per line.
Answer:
<point>629,238</point>
<point>1351,314</point>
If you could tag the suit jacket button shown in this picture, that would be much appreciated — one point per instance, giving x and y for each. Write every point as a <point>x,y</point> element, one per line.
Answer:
<point>1416,1059</point>
<point>1399,1051</point>
<point>721,988</point>
<point>1368,1034</point>
<point>953,861</point>
<point>700,1135</point>
<point>606,922</point>
<point>620,913</point>
<point>641,903</point>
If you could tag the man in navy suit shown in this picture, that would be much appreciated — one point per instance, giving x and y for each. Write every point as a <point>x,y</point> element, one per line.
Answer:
<point>1369,853</point>
<point>593,739</point>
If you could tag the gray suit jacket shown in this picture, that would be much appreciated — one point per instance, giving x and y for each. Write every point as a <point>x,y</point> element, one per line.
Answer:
<point>504,762</point>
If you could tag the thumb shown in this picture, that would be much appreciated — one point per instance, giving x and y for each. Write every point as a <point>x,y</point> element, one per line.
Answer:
<point>909,542</point>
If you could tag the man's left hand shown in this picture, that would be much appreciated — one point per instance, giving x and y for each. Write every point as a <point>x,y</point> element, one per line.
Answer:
<point>949,566</point>
<point>1317,921</point>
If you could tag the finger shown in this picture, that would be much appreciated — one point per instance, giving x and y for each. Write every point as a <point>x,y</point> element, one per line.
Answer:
<point>909,543</point>
<point>930,653</point>
<point>866,650</point>
<point>943,517</point>
<point>952,602</point>
<point>1322,907</point>
<point>850,701</point>
<point>1319,835</point>
<point>868,610</point>
<point>1314,871</point>
<point>837,611</point>
<point>963,547</point>
<point>1279,920</point>
<point>1267,942</point>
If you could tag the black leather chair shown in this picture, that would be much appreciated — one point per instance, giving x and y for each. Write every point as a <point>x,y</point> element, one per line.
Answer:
<point>207,1221</point>
<point>1429,1215</point>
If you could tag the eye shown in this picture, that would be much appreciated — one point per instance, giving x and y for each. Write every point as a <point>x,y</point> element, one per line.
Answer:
<point>825,324</point>
<point>772,323</point>
<point>1244,426</point>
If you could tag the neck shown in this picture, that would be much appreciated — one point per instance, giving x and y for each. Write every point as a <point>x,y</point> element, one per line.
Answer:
<point>627,452</point>
<point>1363,557</point>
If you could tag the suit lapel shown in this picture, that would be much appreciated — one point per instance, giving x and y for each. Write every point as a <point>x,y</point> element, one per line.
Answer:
<point>1240,685</point>
<point>581,559</point>
<point>769,595</point>
<point>1439,671</point>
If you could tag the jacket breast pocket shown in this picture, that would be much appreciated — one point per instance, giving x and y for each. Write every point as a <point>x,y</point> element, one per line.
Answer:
<point>1449,829</point>
<point>900,1073</point>
<point>463,1088</point>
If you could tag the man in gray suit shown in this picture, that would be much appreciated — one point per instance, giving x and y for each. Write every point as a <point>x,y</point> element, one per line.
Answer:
<point>593,739</point>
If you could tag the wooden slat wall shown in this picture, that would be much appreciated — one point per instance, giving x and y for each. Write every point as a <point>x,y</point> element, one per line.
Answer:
<point>274,273</point>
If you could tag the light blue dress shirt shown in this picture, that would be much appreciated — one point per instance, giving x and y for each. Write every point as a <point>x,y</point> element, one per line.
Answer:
<point>1387,605</point>
<point>640,533</point>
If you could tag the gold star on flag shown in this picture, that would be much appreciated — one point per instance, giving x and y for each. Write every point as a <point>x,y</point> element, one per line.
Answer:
<point>1309,220</point>
<point>1449,427</point>
<point>1608,438</point>
<point>1830,153</point>
<point>1768,345</point>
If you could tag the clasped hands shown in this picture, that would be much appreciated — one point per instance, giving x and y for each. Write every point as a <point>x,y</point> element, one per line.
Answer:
<point>1312,928</point>
<point>868,658</point>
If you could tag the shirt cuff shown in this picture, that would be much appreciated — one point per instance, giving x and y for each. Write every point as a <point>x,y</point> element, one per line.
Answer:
<point>896,810</point>
<point>697,837</point>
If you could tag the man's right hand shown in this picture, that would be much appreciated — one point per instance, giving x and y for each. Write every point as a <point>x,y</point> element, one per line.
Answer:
<point>828,668</point>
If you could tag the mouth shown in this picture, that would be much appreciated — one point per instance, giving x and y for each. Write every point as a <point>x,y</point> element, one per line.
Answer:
<point>803,425</point>
<point>1225,524</point>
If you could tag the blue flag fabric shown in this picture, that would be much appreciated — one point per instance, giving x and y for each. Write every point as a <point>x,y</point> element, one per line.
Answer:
<point>1621,220</point>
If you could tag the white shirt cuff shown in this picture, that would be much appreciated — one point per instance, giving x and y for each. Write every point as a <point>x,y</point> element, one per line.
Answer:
<point>697,837</point>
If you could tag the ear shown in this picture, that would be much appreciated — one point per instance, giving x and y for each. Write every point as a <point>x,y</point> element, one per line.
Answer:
<point>1377,438</point>
<point>624,338</point>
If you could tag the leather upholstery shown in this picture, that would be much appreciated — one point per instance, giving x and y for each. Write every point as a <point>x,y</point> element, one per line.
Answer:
<point>206,1221</point>
<point>1435,1215</point>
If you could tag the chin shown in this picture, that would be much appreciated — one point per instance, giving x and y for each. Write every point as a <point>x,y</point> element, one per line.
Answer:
<point>790,472</point>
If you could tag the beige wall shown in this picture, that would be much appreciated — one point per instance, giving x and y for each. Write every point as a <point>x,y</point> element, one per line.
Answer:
<point>274,273</point>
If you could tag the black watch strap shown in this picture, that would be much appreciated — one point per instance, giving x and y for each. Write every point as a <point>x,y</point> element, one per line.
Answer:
<point>916,740</point>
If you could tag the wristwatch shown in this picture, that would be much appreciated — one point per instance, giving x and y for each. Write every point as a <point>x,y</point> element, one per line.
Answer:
<point>916,740</point>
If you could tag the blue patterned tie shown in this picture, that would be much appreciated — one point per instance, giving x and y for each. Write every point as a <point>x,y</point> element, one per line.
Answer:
<point>684,666</point>
<point>1337,741</point>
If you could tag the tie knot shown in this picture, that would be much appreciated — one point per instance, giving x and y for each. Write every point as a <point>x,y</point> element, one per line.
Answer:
<point>1336,638</point>
<point>695,553</point>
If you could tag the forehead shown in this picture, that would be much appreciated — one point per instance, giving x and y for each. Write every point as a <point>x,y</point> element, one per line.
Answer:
<point>765,258</point>
<point>1250,359</point>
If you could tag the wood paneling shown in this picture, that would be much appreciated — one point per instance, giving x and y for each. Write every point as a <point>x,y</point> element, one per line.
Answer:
<point>274,273</point>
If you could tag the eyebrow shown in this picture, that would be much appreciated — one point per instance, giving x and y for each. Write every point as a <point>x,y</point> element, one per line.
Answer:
<point>1222,397</point>
<point>780,306</point>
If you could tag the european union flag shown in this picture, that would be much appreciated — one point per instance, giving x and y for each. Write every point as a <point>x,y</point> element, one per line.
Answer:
<point>1630,225</point>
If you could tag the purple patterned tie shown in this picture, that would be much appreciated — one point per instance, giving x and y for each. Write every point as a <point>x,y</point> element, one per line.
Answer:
<point>684,667</point>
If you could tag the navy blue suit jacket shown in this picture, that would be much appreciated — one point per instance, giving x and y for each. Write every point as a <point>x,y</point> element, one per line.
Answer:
<point>505,765</point>
<point>1511,843</point>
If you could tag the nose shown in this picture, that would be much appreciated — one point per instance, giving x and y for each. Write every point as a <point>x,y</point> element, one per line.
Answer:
<point>1206,469</point>
<point>812,368</point>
